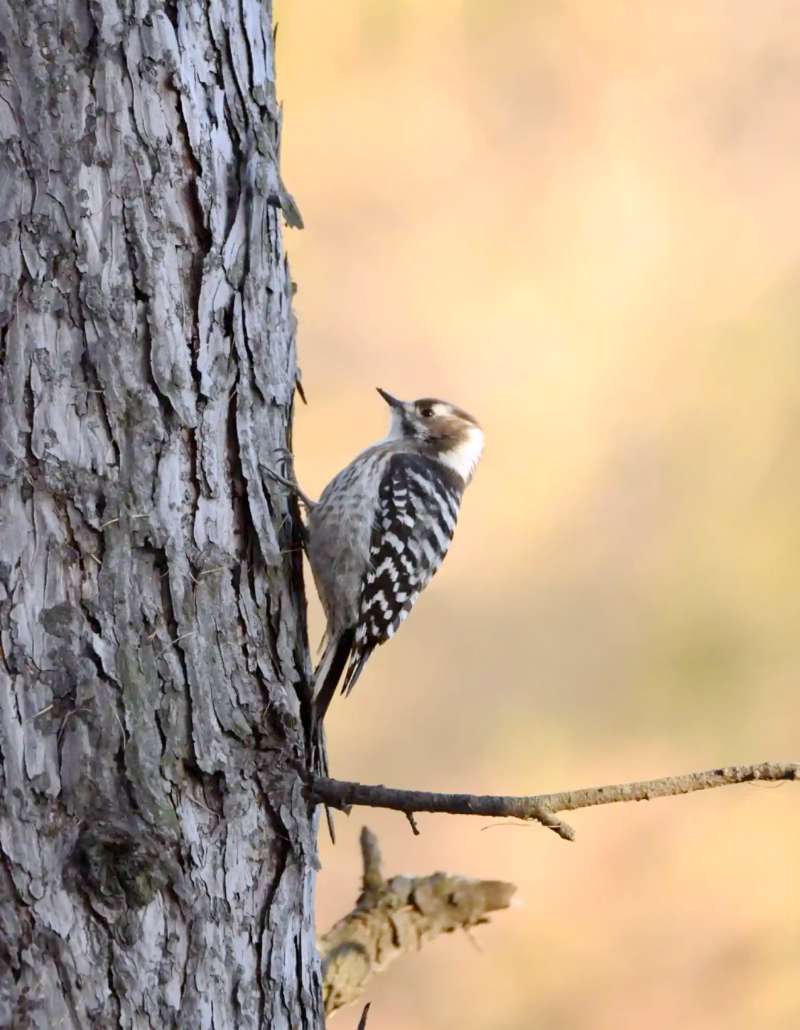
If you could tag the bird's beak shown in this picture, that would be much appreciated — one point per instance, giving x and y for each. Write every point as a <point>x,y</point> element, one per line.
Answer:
<point>393,402</point>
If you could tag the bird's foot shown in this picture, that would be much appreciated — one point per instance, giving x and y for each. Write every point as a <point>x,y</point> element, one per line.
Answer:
<point>289,481</point>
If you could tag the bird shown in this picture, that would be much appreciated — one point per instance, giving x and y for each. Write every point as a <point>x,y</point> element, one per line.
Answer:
<point>381,530</point>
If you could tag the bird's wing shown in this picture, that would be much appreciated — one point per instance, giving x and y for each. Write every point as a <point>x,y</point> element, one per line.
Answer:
<point>418,505</point>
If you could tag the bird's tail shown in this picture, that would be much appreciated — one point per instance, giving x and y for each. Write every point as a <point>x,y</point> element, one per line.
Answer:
<point>323,686</point>
<point>357,662</point>
<point>319,766</point>
<point>329,671</point>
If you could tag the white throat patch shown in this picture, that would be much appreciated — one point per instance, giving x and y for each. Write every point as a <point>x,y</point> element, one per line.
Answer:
<point>464,457</point>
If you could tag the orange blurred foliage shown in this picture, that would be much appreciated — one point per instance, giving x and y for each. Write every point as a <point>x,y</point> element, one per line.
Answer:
<point>580,221</point>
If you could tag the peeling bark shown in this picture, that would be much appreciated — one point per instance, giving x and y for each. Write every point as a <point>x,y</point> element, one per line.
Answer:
<point>157,856</point>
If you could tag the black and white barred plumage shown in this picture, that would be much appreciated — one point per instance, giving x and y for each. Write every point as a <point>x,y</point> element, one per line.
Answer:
<point>381,530</point>
<point>418,503</point>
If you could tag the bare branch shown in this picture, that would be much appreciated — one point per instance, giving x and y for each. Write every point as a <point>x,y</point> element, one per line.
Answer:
<point>373,882</point>
<point>542,807</point>
<point>394,916</point>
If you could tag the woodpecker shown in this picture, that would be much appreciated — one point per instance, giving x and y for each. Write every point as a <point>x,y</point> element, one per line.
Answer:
<point>380,532</point>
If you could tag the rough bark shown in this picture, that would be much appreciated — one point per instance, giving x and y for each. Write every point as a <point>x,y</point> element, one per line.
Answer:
<point>157,857</point>
<point>394,916</point>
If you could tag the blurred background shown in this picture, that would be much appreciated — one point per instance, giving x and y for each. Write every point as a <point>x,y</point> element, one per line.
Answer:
<point>581,222</point>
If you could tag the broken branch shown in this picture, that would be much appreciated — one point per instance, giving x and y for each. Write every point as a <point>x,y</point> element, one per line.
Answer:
<point>394,916</point>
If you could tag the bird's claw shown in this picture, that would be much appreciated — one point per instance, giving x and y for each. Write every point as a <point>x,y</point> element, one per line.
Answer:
<point>290,481</point>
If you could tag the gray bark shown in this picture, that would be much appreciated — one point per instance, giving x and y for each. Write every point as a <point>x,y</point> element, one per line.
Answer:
<point>157,858</point>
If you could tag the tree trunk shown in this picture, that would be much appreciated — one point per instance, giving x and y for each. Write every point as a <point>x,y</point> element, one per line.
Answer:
<point>158,857</point>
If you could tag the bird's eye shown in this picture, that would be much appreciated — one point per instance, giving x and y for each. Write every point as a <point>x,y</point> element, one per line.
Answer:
<point>426,412</point>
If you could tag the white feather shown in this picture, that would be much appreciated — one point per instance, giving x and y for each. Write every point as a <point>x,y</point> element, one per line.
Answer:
<point>464,457</point>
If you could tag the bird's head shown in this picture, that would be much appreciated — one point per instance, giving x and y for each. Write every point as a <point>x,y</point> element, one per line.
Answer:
<point>451,433</point>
